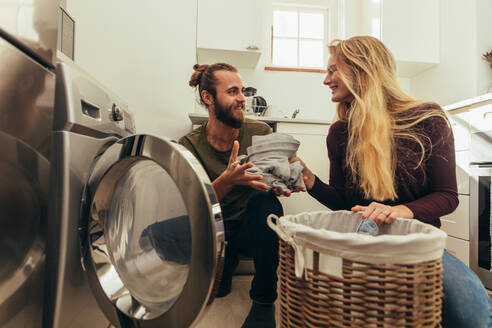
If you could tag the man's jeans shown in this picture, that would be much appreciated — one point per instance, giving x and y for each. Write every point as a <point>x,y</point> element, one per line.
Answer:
<point>253,238</point>
<point>466,302</point>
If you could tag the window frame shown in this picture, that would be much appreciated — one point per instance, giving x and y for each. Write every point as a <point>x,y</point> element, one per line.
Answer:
<point>299,8</point>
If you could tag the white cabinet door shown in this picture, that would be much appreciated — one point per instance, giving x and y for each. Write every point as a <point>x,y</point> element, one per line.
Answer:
<point>457,223</point>
<point>415,46</point>
<point>229,24</point>
<point>411,29</point>
<point>461,130</point>
<point>459,248</point>
<point>314,153</point>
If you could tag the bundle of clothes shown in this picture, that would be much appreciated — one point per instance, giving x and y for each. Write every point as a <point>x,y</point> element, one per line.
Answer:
<point>270,155</point>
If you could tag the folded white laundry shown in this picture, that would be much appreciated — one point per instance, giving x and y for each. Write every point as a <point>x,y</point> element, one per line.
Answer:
<point>270,155</point>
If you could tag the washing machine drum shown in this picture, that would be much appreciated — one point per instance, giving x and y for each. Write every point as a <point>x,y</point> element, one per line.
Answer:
<point>152,234</point>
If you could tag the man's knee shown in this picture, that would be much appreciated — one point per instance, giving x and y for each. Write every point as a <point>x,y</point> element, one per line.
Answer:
<point>265,203</point>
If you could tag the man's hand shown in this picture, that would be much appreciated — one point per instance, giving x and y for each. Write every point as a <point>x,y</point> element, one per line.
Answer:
<point>307,175</point>
<point>235,174</point>
<point>381,213</point>
<point>287,192</point>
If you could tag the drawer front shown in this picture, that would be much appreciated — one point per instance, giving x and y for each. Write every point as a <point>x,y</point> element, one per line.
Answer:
<point>480,119</point>
<point>456,224</point>
<point>463,171</point>
<point>304,128</point>
<point>459,248</point>
<point>461,131</point>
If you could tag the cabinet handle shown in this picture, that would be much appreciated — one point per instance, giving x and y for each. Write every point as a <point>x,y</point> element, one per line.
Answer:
<point>252,47</point>
<point>487,115</point>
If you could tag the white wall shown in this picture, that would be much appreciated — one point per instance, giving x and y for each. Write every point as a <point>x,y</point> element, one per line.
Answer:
<point>144,52</point>
<point>484,44</point>
<point>351,22</point>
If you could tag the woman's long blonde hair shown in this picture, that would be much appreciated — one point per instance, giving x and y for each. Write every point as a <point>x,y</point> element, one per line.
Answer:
<point>380,113</point>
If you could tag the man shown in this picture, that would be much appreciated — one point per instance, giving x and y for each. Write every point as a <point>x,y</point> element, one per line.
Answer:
<point>243,198</point>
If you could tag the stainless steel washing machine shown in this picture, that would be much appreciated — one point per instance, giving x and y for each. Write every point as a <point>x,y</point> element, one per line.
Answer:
<point>136,231</point>
<point>28,34</point>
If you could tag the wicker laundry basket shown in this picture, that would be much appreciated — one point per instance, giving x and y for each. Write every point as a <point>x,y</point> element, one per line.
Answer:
<point>330,276</point>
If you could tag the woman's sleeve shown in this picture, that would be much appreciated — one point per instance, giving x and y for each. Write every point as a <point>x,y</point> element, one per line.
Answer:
<point>332,195</point>
<point>441,172</point>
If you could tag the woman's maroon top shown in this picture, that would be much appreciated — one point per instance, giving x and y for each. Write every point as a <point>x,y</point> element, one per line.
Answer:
<point>429,191</point>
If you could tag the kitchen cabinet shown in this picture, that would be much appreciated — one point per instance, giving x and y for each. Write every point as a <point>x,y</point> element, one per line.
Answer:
<point>457,223</point>
<point>459,248</point>
<point>314,153</point>
<point>461,130</point>
<point>410,29</point>
<point>230,31</point>
<point>463,172</point>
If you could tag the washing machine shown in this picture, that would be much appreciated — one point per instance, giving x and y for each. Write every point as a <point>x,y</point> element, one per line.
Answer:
<point>28,33</point>
<point>135,233</point>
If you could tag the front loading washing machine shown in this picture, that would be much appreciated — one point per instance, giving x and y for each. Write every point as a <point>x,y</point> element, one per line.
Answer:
<point>135,231</point>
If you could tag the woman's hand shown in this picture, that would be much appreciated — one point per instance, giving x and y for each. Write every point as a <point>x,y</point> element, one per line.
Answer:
<point>381,213</point>
<point>287,192</point>
<point>235,174</point>
<point>307,175</point>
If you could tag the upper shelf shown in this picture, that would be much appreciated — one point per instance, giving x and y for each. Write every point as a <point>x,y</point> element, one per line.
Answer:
<point>237,58</point>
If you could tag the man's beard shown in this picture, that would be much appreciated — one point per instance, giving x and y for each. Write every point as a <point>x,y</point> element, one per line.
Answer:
<point>225,115</point>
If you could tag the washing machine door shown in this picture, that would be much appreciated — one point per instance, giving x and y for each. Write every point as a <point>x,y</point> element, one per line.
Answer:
<point>152,234</point>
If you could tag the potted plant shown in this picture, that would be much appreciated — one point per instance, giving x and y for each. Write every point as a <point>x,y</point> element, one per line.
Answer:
<point>488,57</point>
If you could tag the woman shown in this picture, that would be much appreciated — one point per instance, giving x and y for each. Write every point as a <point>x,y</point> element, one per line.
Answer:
<point>393,156</point>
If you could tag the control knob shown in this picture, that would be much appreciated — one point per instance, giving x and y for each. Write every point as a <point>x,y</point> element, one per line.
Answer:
<point>117,113</point>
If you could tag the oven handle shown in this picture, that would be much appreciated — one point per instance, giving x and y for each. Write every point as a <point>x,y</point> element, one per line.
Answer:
<point>481,164</point>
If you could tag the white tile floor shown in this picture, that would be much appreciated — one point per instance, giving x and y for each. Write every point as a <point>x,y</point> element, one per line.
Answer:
<point>230,311</point>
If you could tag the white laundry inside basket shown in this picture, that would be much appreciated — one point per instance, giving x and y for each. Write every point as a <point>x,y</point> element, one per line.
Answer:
<point>332,234</point>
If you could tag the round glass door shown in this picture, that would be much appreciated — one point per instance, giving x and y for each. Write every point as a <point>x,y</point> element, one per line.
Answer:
<point>155,233</point>
<point>148,235</point>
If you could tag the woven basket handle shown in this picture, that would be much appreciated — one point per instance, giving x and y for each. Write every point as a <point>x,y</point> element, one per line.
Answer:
<point>277,227</point>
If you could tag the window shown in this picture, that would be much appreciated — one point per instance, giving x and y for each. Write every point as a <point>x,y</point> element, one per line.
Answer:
<point>299,37</point>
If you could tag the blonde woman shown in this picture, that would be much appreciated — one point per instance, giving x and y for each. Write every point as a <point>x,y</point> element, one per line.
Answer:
<point>393,156</point>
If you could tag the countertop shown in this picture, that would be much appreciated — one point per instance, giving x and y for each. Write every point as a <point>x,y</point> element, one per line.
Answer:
<point>469,104</point>
<point>199,118</point>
